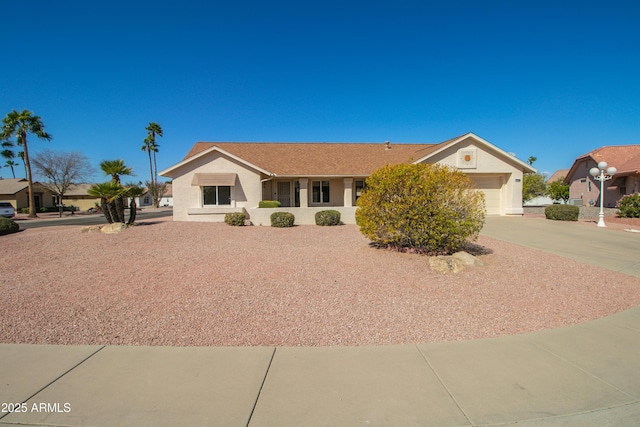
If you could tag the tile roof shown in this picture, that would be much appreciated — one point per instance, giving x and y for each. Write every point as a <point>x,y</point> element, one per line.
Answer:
<point>320,159</point>
<point>560,173</point>
<point>625,158</point>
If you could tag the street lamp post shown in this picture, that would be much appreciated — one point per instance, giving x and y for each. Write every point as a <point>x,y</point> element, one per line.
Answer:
<point>599,174</point>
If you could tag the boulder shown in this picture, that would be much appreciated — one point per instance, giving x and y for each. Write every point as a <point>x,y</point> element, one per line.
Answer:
<point>454,263</point>
<point>467,259</point>
<point>116,227</point>
<point>91,229</point>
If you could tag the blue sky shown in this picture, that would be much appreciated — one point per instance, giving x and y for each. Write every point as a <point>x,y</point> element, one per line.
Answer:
<point>551,79</point>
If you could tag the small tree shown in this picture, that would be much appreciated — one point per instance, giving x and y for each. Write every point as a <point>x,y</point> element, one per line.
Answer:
<point>431,208</point>
<point>558,190</point>
<point>60,171</point>
<point>157,190</point>
<point>533,185</point>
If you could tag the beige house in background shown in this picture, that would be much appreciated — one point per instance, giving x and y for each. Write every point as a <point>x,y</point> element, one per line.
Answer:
<point>585,190</point>
<point>16,192</point>
<point>215,178</point>
<point>77,196</point>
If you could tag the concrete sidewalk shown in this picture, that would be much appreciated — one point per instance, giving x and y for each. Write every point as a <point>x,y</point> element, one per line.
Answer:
<point>583,375</point>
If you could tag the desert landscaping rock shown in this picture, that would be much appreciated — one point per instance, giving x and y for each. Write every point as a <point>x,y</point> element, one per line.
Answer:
<point>116,227</point>
<point>454,263</point>
<point>91,229</point>
<point>207,284</point>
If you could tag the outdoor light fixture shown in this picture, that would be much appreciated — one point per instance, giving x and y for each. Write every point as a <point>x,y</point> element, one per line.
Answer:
<point>599,174</point>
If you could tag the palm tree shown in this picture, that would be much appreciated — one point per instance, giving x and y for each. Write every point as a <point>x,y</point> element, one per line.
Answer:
<point>148,147</point>
<point>115,199</point>
<point>133,191</point>
<point>154,129</point>
<point>21,155</point>
<point>8,154</point>
<point>19,125</point>
<point>108,192</point>
<point>11,164</point>
<point>115,168</point>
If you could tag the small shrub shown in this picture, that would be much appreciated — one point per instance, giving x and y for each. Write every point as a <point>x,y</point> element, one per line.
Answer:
<point>426,208</point>
<point>629,206</point>
<point>282,219</point>
<point>235,218</point>
<point>329,217</point>
<point>562,212</point>
<point>269,204</point>
<point>8,226</point>
<point>24,210</point>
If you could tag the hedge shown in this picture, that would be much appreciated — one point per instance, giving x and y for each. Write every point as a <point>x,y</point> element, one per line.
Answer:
<point>269,204</point>
<point>235,218</point>
<point>8,226</point>
<point>629,206</point>
<point>562,212</point>
<point>328,217</point>
<point>282,219</point>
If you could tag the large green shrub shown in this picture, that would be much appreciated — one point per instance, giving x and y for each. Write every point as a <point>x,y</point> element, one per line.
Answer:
<point>328,217</point>
<point>431,208</point>
<point>282,219</point>
<point>8,226</point>
<point>629,206</point>
<point>562,212</point>
<point>269,204</point>
<point>235,218</point>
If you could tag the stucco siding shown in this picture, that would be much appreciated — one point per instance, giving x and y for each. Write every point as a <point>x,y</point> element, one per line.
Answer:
<point>491,167</point>
<point>187,198</point>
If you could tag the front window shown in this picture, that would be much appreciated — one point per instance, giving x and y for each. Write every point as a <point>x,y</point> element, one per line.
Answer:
<point>320,191</point>
<point>216,196</point>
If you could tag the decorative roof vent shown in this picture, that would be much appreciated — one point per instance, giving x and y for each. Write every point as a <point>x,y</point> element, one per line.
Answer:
<point>387,145</point>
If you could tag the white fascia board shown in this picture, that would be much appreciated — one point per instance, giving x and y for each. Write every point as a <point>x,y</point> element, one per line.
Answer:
<point>168,172</point>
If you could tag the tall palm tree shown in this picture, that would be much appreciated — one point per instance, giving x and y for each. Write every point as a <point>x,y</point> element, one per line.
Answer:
<point>10,164</point>
<point>19,125</point>
<point>8,154</point>
<point>148,147</point>
<point>21,155</point>
<point>154,130</point>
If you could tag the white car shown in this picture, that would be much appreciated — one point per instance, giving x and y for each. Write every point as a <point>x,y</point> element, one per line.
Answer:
<point>6,210</point>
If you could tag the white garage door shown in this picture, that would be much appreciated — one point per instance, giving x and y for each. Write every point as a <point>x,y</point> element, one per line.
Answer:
<point>491,187</point>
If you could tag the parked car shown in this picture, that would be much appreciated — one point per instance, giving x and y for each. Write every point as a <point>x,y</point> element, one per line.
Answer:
<point>6,210</point>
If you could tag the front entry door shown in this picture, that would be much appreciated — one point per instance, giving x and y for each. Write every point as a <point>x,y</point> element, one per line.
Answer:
<point>284,193</point>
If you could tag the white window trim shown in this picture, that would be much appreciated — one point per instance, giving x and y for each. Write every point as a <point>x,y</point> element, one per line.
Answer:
<point>321,202</point>
<point>232,201</point>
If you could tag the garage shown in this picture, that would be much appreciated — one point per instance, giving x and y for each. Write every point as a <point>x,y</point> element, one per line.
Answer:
<point>491,186</point>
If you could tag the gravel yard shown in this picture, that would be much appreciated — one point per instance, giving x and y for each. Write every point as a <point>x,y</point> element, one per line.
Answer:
<point>204,284</point>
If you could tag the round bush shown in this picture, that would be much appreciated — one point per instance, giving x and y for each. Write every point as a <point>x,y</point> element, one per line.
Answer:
<point>268,204</point>
<point>282,219</point>
<point>8,226</point>
<point>431,208</point>
<point>329,217</point>
<point>235,218</point>
<point>629,206</point>
<point>562,212</point>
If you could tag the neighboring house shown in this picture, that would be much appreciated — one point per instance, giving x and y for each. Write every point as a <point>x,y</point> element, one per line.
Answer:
<point>77,196</point>
<point>585,190</point>
<point>16,192</point>
<point>219,177</point>
<point>145,199</point>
